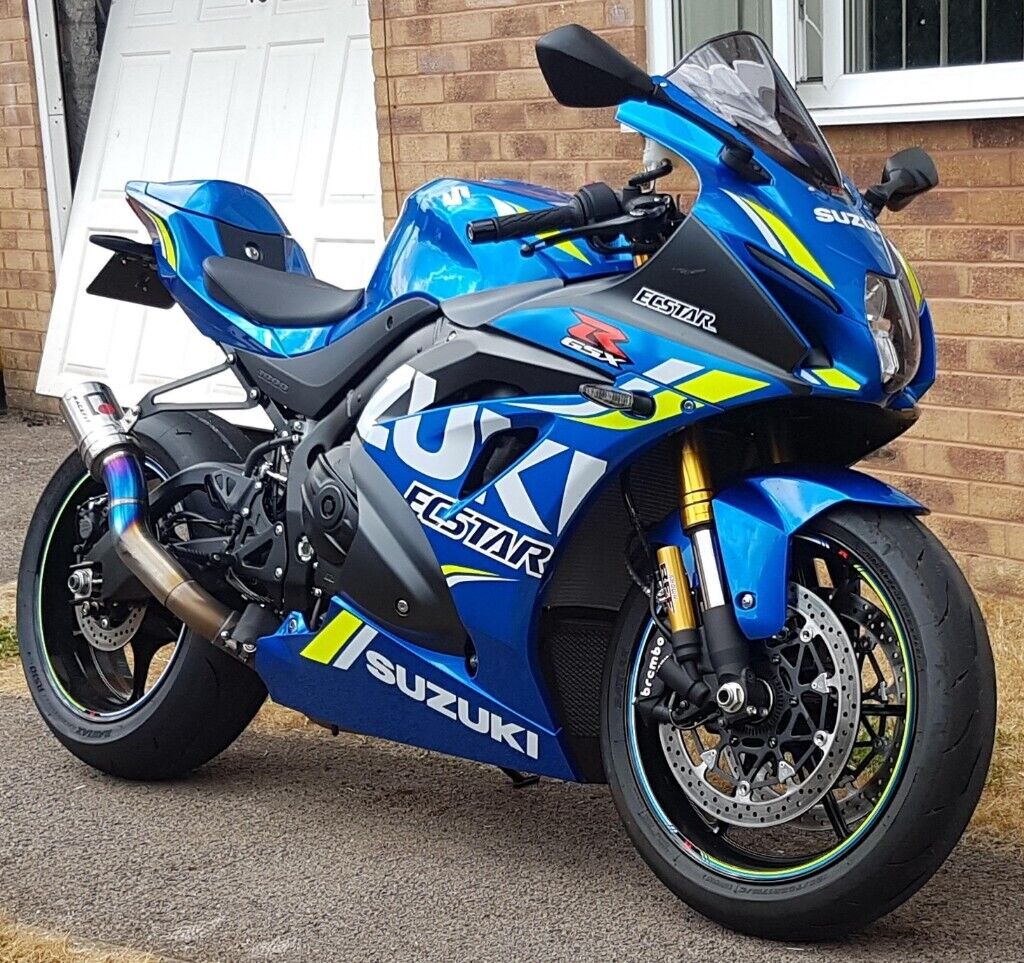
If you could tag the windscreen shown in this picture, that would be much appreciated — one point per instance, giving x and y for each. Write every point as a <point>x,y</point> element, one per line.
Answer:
<point>735,77</point>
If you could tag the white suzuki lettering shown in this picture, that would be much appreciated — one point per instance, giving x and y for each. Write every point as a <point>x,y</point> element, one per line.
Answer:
<point>440,700</point>
<point>380,667</point>
<point>489,723</point>
<point>828,215</point>
<point>455,451</point>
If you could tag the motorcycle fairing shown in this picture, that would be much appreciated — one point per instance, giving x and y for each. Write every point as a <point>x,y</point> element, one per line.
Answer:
<point>755,519</point>
<point>827,240</point>
<point>427,253</point>
<point>497,542</point>
<point>355,675</point>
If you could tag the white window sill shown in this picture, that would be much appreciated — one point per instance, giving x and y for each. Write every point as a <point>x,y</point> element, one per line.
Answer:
<point>992,90</point>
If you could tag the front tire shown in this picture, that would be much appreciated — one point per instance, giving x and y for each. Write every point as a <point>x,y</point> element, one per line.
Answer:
<point>201,700</point>
<point>901,827</point>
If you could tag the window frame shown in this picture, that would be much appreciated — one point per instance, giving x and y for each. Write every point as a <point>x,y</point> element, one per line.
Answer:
<point>892,96</point>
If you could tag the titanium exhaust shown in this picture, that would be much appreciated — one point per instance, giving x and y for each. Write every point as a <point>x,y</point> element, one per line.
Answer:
<point>114,457</point>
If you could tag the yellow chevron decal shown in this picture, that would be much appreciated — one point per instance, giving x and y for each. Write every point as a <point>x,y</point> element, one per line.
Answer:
<point>170,255</point>
<point>795,248</point>
<point>457,574</point>
<point>331,639</point>
<point>835,378</point>
<point>462,570</point>
<point>716,386</point>
<point>915,285</point>
<point>569,247</point>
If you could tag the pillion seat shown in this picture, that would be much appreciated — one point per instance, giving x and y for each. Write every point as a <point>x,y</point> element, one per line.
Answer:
<point>277,299</point>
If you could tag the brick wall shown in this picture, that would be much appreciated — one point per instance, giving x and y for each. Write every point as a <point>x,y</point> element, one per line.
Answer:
<point>965,458</point>
<point>26,267</point>
<point>459,93</point>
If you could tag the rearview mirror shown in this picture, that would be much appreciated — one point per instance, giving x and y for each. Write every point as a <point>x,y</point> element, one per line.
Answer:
<point>582,70</point>
<point>906,174</point>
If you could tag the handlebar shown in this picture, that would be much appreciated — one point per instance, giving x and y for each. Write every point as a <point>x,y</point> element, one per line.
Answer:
<point>529,222</point>
<point>589,205</point>
<point>596,212</point>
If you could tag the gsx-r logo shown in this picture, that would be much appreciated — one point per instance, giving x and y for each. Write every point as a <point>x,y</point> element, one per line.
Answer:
<point>598,340</point>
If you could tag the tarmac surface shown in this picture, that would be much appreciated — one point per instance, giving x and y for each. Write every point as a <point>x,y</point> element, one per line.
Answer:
<point>29,455</point>
<point>294,846</point>
<point>299,847</point>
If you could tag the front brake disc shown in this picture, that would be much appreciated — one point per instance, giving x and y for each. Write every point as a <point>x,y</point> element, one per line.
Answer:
<point>767,774</point>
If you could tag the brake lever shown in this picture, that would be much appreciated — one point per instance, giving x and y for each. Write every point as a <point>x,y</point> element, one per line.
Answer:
<point>619,225</point>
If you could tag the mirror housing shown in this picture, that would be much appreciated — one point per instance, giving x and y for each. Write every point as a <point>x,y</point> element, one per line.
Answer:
<point>582,70</point>
<point>907,174</point>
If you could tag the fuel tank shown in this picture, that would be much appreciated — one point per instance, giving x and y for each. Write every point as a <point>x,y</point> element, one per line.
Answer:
<point>428,251</point>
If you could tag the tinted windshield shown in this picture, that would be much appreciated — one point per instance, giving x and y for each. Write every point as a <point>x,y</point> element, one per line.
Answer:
<point>735,77</point>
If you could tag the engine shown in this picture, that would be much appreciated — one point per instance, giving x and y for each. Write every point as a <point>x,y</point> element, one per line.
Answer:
<point>330,512</point>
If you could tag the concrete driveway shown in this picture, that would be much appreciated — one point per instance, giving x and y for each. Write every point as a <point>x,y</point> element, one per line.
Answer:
<point>295,846</point>
<point>29,455</point>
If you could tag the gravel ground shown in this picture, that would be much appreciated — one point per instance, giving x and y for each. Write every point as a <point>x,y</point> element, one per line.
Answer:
<point>29,455</point>
<point>293,846</point>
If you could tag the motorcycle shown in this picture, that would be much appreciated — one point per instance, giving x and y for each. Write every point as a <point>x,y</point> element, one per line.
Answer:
<point>565,490</point>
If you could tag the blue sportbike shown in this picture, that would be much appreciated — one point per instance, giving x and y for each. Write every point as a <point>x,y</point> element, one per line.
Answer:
<point>564,490</point>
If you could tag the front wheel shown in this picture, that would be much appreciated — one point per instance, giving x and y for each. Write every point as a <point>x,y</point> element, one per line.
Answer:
<point>844,800</point>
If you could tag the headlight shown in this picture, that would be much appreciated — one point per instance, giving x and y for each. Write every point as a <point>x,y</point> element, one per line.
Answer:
<point>891,314</point>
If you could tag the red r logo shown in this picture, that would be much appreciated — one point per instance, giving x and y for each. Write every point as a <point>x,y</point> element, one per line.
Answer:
<point>599,335</point>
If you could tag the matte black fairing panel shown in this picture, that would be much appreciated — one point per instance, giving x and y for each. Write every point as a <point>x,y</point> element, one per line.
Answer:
<point>391,559</point>
<point>694,267</point>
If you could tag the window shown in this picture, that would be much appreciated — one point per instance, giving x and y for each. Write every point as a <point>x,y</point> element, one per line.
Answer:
<point>870,60</point>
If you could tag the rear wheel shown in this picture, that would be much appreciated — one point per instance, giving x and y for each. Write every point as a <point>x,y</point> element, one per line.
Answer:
<point>127,688</point>
<point>846,796</point>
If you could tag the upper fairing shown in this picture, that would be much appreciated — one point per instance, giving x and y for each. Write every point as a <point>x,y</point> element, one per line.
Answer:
<point>836,228</point>
<point>829,238</point>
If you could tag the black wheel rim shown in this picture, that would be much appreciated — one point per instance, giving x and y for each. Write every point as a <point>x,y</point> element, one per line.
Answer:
<point>100,685</point>
<point>868,780</point>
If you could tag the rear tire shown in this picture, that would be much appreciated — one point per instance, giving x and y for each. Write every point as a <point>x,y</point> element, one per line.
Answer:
<point>933,794</point>
<point>204,699</point>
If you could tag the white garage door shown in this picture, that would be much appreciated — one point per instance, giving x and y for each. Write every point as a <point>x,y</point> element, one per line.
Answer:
<point>277,94</point>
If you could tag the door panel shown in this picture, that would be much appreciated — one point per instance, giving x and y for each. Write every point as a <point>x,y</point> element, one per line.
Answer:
<point>278,95</point>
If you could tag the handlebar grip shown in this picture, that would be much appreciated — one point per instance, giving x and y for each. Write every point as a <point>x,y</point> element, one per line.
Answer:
<point>525,224</point>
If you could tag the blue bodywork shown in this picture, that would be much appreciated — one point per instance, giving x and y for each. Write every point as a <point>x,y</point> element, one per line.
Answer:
<point>754,521</point>
<point>426,255</point>
<point>397,689</point>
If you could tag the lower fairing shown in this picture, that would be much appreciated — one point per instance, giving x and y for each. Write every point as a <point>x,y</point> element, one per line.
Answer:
<point>356,676</point>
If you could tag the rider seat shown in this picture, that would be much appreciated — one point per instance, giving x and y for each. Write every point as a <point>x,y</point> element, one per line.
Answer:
<point>277,299</point>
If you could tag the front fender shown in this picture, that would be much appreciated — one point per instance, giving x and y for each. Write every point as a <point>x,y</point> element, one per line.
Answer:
<point>754,520</point>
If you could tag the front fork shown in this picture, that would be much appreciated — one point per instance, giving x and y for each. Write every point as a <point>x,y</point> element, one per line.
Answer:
<point>727,648</point>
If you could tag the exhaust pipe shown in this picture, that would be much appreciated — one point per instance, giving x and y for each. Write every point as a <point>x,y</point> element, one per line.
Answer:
<point>114,457</point>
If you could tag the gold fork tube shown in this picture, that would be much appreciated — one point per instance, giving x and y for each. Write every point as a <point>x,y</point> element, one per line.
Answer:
<point>694,480</point>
